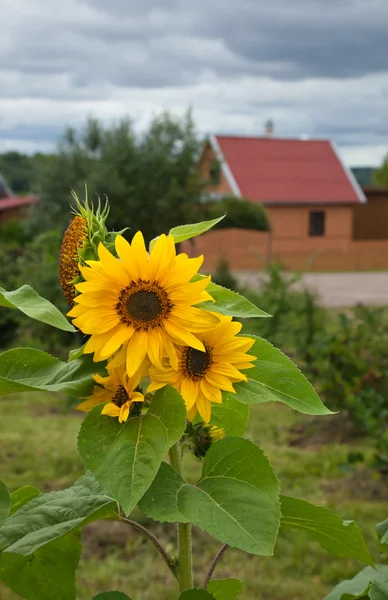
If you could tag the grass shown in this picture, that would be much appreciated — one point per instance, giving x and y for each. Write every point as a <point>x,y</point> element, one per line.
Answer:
<point>39,447</point>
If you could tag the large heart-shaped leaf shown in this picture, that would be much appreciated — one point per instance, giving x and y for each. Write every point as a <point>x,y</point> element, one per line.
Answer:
<point>196,594</point>
<point>275,378</point>
<point>359,586</point>
<point>5,502</point>
<point>231,416</point>
<point>236,500</point>
<point>182,233</point>
<point>21,496</point>
<point>51,516</point>
<point>28,301</point>
<point>225,589</point>
<point>340,538</point>
<point>111,596</point>
<point>237,497</point>
<point>160,502</point>
<point>27,369</point>
<point>125,457</point>
<point>230,303</point>
<point>48,573</point>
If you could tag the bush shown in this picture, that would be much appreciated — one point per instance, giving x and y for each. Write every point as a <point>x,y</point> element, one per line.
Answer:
<point>223,275</point>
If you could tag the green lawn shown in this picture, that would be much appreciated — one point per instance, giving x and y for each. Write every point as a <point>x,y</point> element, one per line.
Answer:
<point>38,446</point>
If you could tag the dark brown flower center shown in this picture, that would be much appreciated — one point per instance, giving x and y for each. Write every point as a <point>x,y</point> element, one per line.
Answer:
<point>120,397</point>
<point>143,304</point>
<point>197,363</point>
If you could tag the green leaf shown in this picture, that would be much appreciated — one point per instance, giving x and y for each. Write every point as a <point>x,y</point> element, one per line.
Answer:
<point>5,502</point>
<point>230,303</point>
<point>48,573</point>
<point>76,353</point>
<point>28,301</point>
<point>111,596</point>
<point>339,538</point>
<point>21,496</point>
<point>51,516</point>
<point>125,457</point>
<point>232,416</point>
<point>185,232</point>
<point>275,378</point>
<point>196,595</point>
<point>237,497</point>
<point>379,590</point>
<point>160,500</point>
<point>382,531</point>
<point>225,589</point>
<point>359,586</point>
<point>27,369</point>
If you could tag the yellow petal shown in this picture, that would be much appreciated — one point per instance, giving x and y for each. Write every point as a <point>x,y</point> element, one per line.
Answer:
<point>162,257</point>
<point>189,392</point>
<point>126,254</point>
<point>204,408</point>
<point>154,348</point>
<point>191,413</point>
<point>136,351</point>
<point>112,265</point>
<point>115,341</point>
<point>156,385</point>
<point>182,335</point>
<point>124,412</point>
<point>90,403</point>
<point>111,410</point>
<point>211,392</point>
<point>169,348</point>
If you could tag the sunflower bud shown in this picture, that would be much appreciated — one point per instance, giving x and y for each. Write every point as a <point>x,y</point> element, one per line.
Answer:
<point>73,240</point>
<point>203,436</point>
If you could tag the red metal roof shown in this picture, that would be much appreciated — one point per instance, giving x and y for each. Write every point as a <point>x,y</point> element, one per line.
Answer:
<point>15,202</point>
<point>273,170</point>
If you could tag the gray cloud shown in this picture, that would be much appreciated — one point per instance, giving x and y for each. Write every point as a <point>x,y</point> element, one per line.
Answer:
<point>315,66</point>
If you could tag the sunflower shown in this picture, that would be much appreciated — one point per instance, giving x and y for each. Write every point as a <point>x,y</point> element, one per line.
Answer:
<point>73,239</point>
<point>201,376</point>
<point>141,302</point>
<point>117,392</point>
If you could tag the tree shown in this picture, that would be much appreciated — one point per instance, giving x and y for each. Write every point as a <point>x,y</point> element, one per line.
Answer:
<point>149,179</point>
<point>380,176</point>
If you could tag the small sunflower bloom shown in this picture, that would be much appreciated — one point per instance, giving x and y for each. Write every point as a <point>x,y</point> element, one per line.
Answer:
<point>143,303</point>
<point>74,238</point>
<point>202,375</point>
<point>117,393</point>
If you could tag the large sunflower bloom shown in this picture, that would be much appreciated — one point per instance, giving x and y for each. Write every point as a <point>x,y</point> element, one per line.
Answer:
<point>201,376</point>
<point>117,393</point>
<point>143,302</point>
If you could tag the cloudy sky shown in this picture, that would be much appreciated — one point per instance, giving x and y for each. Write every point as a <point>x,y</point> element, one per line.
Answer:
<point>315,67</point>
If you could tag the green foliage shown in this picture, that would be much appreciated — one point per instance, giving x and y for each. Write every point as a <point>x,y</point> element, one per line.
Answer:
<point>380,176</point>
<point>240,213</point>
<point>231,303</point>
<point>360,586</point>
<point>350,366</point>
<point>51,516</point>
<point>149,177</point>
<point>223,276</point>
<point>111,596</point>
<point>339,538</point>
<point>196,595</point>
<point>47,573</point>
<point>21,496</point>
<point>34,306</point>
<point>230,416</point>
<point>225,589</point>
<point>233,469</point>
<point>275,378</point>
<point>5,502</point>
<point>186,232</point>
<point>26,369</point>
<point>125,457</point>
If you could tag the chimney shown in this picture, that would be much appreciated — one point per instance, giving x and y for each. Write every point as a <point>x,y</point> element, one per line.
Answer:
<point>269,128</point>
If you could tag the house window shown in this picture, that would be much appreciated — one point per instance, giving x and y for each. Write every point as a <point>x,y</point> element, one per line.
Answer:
<point>214,172</point>
<point>317,223</point>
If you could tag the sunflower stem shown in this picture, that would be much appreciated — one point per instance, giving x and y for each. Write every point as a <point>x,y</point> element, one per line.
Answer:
<point>184,566</point>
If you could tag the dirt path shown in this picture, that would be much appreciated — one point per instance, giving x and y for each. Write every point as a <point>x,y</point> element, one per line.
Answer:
<point>341,289</point>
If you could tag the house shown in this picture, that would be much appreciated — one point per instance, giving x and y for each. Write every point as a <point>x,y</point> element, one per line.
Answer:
<point>11,206</point>
<point>317,210</point>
